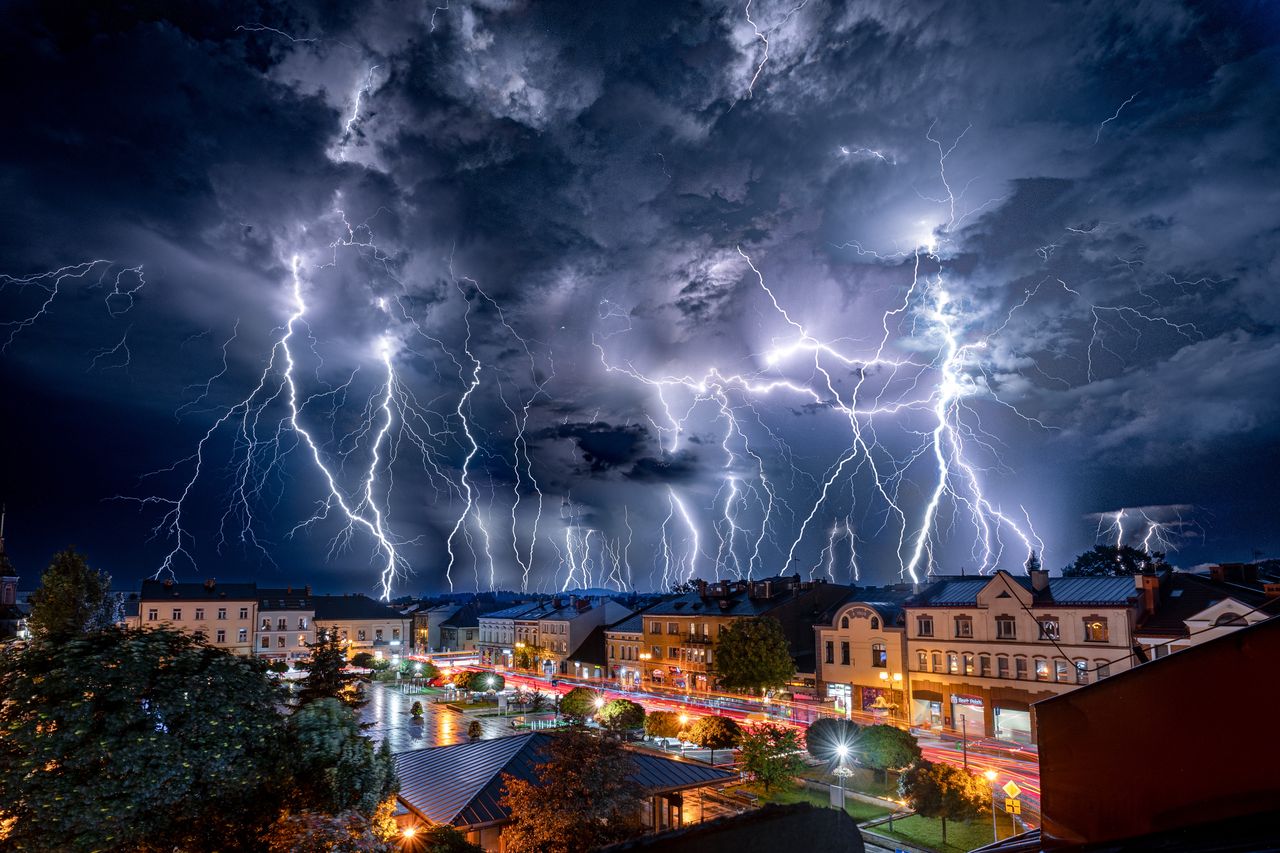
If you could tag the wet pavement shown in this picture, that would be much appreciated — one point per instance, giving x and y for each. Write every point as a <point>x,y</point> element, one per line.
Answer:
<point>388,712</point>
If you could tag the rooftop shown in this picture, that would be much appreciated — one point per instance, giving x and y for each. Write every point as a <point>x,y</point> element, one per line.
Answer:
<point>210,590</point>
<point>352,606</point>
<point>951,591</point>
<point>1183,595</point>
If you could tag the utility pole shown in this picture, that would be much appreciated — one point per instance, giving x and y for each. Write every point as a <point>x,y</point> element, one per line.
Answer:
<point>964,739</point>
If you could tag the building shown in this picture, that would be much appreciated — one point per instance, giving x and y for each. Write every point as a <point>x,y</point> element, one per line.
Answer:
<point>764,830</point>
<point>573,632</point>
<point>461,631</point>
<point>363,624</point>
<point>286,624</point>
<point>680,633</point>
<point>1191,608</point>
<point>497,640</point>
<point>861,650</point>
<point>427,620</point>
<point>13,617</point>
<point>461,785</point>
<point>624,647</point>
<point>982,650</point>
<point>223,615</point>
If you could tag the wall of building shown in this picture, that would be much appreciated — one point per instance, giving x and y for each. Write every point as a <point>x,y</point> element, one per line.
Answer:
<point>858,632</point>
<point>225,623</point>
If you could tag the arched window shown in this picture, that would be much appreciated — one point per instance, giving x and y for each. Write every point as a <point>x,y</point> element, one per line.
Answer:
<point>844,621</point>
<point>1230,619</point>
<point>875,623</point>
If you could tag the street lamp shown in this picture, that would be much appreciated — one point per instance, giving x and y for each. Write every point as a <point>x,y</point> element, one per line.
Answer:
<point>991,778</point>
<point>599,702</point>
<point>892,685</point>
<point>842,751</point>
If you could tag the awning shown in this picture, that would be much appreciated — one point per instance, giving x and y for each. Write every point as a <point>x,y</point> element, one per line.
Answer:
<point>927,695</point>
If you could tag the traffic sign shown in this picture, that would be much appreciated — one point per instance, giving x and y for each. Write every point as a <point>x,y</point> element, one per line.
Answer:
<point>1012,805</point>
<point>1011,788</point>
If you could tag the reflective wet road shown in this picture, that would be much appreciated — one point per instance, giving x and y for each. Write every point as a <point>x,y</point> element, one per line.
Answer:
<point>388,712</point>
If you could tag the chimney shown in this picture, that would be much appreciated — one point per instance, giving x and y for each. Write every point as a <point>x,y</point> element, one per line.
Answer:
<point>702,588</point>
<point>168,583</point>
<point>1149,587</point>
<point>210,584</point>
<point>1039,580</point>
<point>307,589</point>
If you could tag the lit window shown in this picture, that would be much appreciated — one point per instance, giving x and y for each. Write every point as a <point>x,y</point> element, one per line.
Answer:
<point>1006,628</point>
<point>302,639</point>
<point>922,661</point>
<point>924,626</point>
<point>1082,672</point>
<point>1061,668</point>
<point>937,662</point>
<point>879,657</point>
<point>953,663</point>
<point>302,623</point>
<point>1042,669</point>
<point>1095,630</point>
<point>280,642</point>
<point>964,626</point>
<point>1049,628</point>
<point>968,664</point>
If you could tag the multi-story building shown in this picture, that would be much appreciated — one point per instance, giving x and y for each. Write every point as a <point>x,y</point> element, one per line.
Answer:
<point>624,649</point>
<point>461,631</point>
<point>861,646</point>
<point>1191,608</point>
<point>286,624</point>
<point>427,620</point>
<point>364,624</point>
<point>13,619</point>
<point>497,639</point>
<point>680,634</point>
<point>221,614</point>
<point>982,650</point>
<point>556,629</point>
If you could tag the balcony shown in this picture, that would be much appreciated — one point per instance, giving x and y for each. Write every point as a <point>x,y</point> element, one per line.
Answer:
<point>698,639</point>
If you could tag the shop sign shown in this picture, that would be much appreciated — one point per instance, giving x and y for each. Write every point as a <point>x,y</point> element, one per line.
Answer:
<point>972,701</point>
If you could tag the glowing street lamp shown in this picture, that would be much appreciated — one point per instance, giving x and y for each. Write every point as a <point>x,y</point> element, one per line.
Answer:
<point>991,778</point>
<point>842,752</point>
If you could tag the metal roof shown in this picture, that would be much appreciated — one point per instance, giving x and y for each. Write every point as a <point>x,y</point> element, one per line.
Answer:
<point>462,784</point>
<point>1090,590</point>
<point>354,606</point>
<point>957,591</point>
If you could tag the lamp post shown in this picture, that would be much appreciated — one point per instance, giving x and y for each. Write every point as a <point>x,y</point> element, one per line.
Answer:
<point>842,751</point>
<point>991,778</point>
<point>645,657</point>
<point>892,684</point>
<point>684,721</point>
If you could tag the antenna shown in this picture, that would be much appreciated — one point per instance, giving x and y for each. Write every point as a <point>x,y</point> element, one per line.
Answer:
<point>3,509</point>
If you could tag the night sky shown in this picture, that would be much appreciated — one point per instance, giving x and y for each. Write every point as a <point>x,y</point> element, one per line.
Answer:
<point>546,295</point>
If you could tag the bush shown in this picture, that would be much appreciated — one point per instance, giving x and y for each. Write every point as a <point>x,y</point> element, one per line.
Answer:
<point>621,715</point>
<point>578,704</point>
<point>364,660</point>
<point>663,724</point>
<point>475,730</point>
<point>416,710</point>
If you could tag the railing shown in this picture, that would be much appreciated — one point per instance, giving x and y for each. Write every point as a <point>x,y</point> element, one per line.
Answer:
<point>698,639</point>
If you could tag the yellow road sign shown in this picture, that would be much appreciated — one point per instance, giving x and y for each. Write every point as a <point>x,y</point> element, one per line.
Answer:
<point>1012,789</point>
<point>1013,805</point>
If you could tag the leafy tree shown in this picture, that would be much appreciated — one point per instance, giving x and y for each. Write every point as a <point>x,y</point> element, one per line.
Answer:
<point>129,739</point>
<point>419,669</point>
<point>944,791</point>
<point>885,748</point>
<point>474,730</point>
<point>325,677</point>
<point>305,832</point>
<point>663,724</point>
<point>278,666</point>
<point>584,798</point>
<point>772,753</point>
<point>824,736</point>
<point>72,599</point>
<point>442,839</point>
<point>527,657</point>
<point>335,766</point>
<point>364,660</point>
<point>621,715</point>
<point>1033,563</point>
<point>578,704</point>
<point>684,587</point>
<point>1111,561</point>
<point>753,654</point>
<point>714,733</point>
<point>530,701</point>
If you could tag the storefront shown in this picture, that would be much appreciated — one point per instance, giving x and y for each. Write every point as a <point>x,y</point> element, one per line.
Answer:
<point>1013,721</point>
<point>968,714</point>
<point>926,708</point>
<point>841,695</point>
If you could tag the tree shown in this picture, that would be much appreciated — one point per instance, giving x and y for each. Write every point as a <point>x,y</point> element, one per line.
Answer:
<point>416,710</point>
<point>130,739</point>
<point>578,704</point>
<point>474,730</point>
<point>885,748</point>
<point>714,733</point>
<point>527,657</point>
<point>419,669</point>
<point>684,587</point>
<point>325,677</point>
<point>621,715</point>
<point>442,839</point>
<point>944,791</point>
<point>305,832</point>
<point>278,666</point>
<point>583,798</point>
<point>1033,563</point>
<point>1111,561</point>
<point>364,660</point>
<point>72,599</point>
<point>663,724</point>
<point>335,767</point>
<point>825,735</point>
<point>753,654</point>
<point>772,753</point>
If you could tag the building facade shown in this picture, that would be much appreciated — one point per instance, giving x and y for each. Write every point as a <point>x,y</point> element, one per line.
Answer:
<point>497,640</point>
<point>223,615</point>
<point>363,624</point>
<point>981,651</point>
<point>624,651</point>
<point>286,624</point>
<point>861,647</point>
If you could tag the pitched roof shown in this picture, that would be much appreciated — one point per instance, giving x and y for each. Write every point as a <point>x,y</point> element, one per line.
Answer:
<point>461,784</point>
<point>354,606</point>
<point>1183,595</point>
<point>961,591</point>
<point>736,602</point>
<point>515,611</point>
<point>886,600</point>
<point>284,598</point>
<point>153,590</point>
<point>633,624</point>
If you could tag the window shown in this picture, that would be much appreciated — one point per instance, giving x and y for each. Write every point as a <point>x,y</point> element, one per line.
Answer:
<point>1082,672</point>
<point>1042,669</point>
<point>844,621</point>
<point>673,628</point>
<point>199,636</point>
<point>377,634</point>
<point>395,633</point>
<point>266,624</point>
<point>1060,670</point>
<point>360,635</point>
<point>924,626</point>
<point>266,642</point>
<point>1020,668</point>
<point>984,665</point>
<point>244,613</point>
<point>655,627</point>
<point>242,636</point>
<point>1104,668</point>
<point>831,652</point>
<point>282,624</point>
<point>221,636</point>
<point>613,651</point>
<point>1002,666</point>
<point>302,623</point>
<point>879,657</point>
<point>471,635</point>
<point>302,639</point>
<point>657,652</point>
<point>936,660</point>
<point>222,613</point>
<point>199,614</point>
<point>1049,628</point>
<point>177,614</point>
<point>844,653</point>
<point>875,623</point>
<point>1005,628</point>
<point>673,653</point>
<point>280,642</point>
<point>953,663</point>
<point>964,626</point>
<point>152,614</point>
<point>922,661</point>
<point>1095,630</point>
<point>968,663</point>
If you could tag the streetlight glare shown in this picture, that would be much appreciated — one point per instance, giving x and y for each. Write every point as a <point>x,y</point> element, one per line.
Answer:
<point>842,750</point>
<point>991,775</point>
<point>409,831</point>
